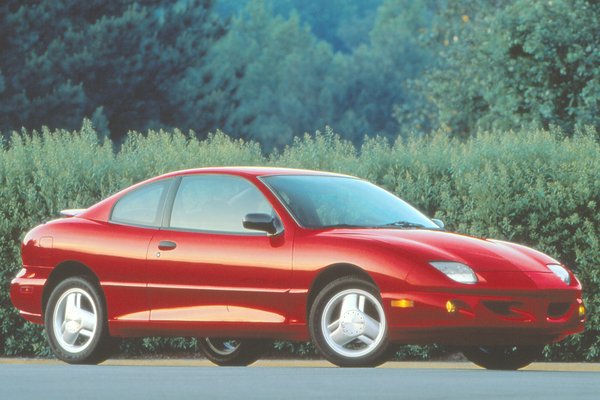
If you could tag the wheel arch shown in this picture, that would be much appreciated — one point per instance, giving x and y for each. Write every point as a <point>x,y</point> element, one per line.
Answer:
<point>331,273</point>
<point>64,270</point>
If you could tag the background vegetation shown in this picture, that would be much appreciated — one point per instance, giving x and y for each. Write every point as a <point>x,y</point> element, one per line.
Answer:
<point>538,187</point>
<point>484,113</point>
<point>270,70</point>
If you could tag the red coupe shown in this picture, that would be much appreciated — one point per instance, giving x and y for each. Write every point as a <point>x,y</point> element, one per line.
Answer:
<point>241,256</point>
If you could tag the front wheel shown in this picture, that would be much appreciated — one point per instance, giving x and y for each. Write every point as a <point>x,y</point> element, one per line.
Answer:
<point>75,320</point>
<point>233,352</point>
<point>348,324</point>
<point>503,357</point>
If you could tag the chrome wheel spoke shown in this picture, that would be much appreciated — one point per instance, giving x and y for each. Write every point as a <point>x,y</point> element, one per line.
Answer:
<point>69,307</point>
<point>86,333</point>
<point>361,303</point>
<point>366,340</point>
<point>75,327</point>
<point>372,327</point>
<point>333,326</point>
<point>347,328</point>
<point>78,301</point>
<point>340,338</point>
<point>69,337</point>
<point>88,320</point>
<point>231,345</point>
<point>223,347</point>
<point>349,303</point>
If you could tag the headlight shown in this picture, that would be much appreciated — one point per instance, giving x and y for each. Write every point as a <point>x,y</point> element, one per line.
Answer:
<point>455,271</point>
<point>561,272</point>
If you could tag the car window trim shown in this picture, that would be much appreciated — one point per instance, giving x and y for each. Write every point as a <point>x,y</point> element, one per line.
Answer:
<point>169,201</point>
<point>280,200</point>
<point>263,179</point>
<point>168,209</point>
<point>163,197</point>
<point>206,231</point>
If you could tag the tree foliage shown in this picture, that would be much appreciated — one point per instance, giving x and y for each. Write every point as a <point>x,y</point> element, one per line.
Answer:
<point>271,70</point>
<point>270,78</point>
<point>341,23</point>
<point>376,74</point>
<point>280,80</point>
<point>275,70</point>
<point>113,61</point>
<point>519,62</point>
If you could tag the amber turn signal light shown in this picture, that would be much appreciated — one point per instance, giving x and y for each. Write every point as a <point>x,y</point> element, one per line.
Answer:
<point>451,307</point>
<point>403,303</point>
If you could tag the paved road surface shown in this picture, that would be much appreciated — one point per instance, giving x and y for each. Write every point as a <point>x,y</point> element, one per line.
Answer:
<point>178,380</point>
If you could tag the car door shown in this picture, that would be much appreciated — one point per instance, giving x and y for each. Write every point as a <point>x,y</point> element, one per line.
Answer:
<point>205,267</point>
<point>118,250</point>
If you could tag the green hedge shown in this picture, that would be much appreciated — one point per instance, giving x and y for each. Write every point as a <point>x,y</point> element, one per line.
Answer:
<point>539,188</point>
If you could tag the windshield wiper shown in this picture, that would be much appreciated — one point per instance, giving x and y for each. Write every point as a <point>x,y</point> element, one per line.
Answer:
<point>404,224</point>
<point>397,224</point>
<point>342,226</point>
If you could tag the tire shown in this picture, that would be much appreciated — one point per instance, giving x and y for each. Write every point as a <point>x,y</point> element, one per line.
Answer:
<point>507,358</point>
<point>348,325</point>
<point>233,352</point>
<point>76,323</point>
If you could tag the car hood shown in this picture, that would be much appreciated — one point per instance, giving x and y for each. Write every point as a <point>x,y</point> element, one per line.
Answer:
<point>429,245</point>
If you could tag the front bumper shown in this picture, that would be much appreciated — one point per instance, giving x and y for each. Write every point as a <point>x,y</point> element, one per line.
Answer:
<point>26,293</point>
<point>517,318</point>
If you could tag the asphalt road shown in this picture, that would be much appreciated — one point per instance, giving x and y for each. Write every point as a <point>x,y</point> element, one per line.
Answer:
<point>288,380</point>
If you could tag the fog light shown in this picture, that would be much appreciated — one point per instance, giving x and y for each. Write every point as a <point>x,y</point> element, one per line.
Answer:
<point>450,307</point>
<point>403,303</point>
<point>581,310</point>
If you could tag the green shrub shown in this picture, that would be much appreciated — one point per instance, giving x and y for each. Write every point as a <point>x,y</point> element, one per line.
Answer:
<point>541,189</point>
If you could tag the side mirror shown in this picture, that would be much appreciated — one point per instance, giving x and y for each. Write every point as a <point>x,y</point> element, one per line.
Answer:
<point>260,222</point>
<point>439,223</point>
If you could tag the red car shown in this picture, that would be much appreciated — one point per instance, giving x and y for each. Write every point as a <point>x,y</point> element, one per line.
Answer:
<point>241,256</point>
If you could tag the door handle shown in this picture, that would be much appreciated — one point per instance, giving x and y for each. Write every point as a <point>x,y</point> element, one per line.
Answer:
<point>166,245</point>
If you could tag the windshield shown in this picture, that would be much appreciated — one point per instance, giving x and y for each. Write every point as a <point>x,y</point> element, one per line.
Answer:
<point>318,201</point>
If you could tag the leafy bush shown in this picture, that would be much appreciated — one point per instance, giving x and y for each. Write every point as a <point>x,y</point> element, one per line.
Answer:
<point>540,189</point>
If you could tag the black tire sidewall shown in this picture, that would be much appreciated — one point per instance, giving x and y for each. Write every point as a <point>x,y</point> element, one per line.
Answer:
<point>97,350</point>
<point>377,357</point>
<point>248,352</point>
<point>496,359</point>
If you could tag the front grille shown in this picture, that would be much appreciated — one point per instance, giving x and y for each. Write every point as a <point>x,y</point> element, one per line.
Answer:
<point>501,307</point>
<point>556,310</point>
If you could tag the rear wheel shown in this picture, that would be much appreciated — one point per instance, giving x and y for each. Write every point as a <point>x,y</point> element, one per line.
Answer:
<point>233,352</point>
<point>503,357</point>
<point>348,325</point>
<point>75,320</point>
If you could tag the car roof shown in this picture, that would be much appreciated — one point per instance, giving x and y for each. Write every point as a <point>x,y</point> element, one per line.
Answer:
<point>100,211</point>
<point>250,171</point>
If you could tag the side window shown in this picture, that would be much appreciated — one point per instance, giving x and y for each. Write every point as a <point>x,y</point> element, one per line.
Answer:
<point>141,206</point>
<point>216,203</point>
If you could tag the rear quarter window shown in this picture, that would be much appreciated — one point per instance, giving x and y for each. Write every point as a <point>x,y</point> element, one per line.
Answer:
<point>142,206</point>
